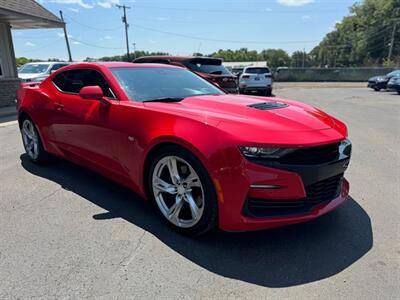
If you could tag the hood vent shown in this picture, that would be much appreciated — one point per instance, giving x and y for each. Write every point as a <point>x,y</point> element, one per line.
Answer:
<point>268,105</point>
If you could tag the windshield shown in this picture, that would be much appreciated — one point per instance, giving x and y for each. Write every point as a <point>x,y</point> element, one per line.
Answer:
<point>257,70</point>
<point>209,66</point>
<point>394,73</point>
<point>33,68</point>
<point>146,84</point>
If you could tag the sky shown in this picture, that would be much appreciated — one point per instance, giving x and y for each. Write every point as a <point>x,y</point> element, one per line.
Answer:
<point>181,27</point>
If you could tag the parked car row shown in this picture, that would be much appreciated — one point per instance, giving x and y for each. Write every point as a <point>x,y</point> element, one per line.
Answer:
<point>248,80</point>
<point>388,81</point>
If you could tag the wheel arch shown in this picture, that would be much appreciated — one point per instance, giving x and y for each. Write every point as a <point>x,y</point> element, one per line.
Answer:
<point>163,143</point>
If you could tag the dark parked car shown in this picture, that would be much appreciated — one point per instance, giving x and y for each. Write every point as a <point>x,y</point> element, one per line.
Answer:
<point>211,69</point>
<point>380,82</point>
<point>394,83</point>
<point>237,71</point>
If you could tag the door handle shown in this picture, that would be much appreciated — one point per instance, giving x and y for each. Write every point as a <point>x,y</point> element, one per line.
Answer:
<point>58,106</point>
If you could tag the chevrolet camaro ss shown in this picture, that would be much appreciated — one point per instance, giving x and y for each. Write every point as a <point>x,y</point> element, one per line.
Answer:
<point>204,157</point>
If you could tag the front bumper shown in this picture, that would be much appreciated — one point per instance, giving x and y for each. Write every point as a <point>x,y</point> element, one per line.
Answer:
<point>287,194</point>
<point>393,86</point>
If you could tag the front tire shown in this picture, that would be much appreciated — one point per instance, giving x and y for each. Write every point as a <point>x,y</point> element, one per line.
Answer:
<point>32,142</point>
<point>377,89</point>
<point>183,191</point>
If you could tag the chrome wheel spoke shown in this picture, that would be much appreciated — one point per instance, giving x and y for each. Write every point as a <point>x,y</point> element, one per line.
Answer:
<point>194,209</point>
<point>26,131</point>
<point>175,209</point>
<point>173,169</point>
<point>193,180</point>
<point>163,186</point>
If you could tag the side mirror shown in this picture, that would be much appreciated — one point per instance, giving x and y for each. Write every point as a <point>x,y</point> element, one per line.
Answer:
<point>93,93</point>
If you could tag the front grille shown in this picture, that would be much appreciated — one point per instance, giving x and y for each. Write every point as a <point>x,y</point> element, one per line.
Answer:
<point>312,155</point>
<point>323,190</point>
<point>320,192</point>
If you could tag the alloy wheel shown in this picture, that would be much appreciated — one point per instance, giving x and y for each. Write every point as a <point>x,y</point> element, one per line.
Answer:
<point>30,139</point>
<point>178,191</point>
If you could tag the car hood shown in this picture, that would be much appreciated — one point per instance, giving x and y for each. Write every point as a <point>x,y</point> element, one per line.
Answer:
<point>30,75</point>
<point>375,78</point>
<point>232,114</point>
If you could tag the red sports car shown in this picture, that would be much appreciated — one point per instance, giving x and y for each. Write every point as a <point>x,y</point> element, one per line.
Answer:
<point>206,158</point>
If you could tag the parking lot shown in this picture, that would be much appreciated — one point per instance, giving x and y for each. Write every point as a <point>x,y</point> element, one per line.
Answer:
<point>66,232</point>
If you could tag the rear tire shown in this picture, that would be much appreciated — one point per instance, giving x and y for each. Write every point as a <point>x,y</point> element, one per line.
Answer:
<point>32,142</point>
<point>268,93</point>
<point>182,191</point>
<point>377,89</point>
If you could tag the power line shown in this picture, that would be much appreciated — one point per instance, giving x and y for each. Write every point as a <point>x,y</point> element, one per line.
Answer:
<point>41,47</point>
<point>95,46</point>
<point>94,28</point>
<point>221,40</point>
<point>213,10</point>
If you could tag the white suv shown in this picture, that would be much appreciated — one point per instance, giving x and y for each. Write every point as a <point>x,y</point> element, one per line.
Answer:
<point>256,80</point>
<point>38,71</point>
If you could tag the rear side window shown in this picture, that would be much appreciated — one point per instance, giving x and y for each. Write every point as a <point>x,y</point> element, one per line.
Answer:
<point>257,70</point>
<point>72,81</point>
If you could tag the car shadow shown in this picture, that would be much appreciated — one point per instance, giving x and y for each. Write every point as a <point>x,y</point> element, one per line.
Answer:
<point>283,257</point>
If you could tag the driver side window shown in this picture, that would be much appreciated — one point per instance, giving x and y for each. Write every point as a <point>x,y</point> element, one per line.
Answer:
<point>73,80</point>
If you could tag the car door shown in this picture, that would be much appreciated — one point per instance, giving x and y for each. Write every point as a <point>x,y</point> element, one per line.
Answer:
<point>85,128</point>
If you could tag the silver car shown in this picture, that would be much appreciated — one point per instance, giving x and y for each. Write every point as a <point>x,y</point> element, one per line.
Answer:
<point>38,71</point>
<point>256,80</point>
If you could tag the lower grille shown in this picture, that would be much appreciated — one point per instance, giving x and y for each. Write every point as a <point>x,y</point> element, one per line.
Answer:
<point>320,192</point>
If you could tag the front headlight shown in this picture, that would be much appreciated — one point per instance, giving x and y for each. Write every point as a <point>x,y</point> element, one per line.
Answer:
<point>261,152</point>
<point>381,79</point>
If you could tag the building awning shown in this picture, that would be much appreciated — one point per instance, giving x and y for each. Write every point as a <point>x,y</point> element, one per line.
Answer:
<point>27,14</point>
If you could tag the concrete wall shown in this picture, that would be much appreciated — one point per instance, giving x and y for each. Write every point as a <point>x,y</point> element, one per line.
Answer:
<point>329,74</point>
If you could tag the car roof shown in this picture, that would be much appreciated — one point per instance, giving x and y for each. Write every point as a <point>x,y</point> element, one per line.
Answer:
<point>46,62</point>
<point>174,58</point>
<point>119,64</point>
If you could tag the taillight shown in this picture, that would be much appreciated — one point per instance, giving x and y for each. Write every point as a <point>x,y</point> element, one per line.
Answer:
<point>268,76</point>
<point>245,76</point>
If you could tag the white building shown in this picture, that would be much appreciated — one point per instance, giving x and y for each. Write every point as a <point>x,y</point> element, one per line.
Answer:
<point>242,64</point>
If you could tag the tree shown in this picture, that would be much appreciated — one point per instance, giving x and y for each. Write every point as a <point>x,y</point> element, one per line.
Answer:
<point>363,38</point>
<point>276,57</point>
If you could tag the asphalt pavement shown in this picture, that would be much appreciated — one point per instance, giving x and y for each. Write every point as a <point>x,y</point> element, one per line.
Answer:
<point>66,232</point>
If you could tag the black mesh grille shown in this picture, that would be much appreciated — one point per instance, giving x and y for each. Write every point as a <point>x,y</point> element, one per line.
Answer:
<point>317,193</point>
<point>324,190</point>
<point>312,155</point>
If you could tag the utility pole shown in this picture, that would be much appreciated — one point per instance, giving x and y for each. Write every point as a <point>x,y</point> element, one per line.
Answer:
<point>392,42</point>
<point>134,50</point>
<point>125,21</point>
<point>66,37</point>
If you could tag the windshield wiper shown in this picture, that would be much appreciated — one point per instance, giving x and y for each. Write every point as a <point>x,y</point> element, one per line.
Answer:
<point>165,99</point>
